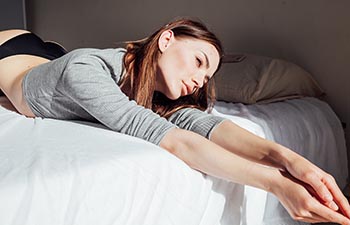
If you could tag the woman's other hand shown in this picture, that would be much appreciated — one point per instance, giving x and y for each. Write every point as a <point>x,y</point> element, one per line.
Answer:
<point>300,203</point>
<point>322,185</point>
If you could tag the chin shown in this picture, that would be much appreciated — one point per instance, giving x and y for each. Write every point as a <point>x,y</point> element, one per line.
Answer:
<point>173,96</point>
<point>172,92</point>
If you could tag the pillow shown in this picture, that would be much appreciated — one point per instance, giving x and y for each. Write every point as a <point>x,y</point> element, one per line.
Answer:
<point>259,79</point>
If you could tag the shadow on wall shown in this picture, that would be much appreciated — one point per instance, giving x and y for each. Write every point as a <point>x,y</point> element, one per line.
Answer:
<point>12,14</point>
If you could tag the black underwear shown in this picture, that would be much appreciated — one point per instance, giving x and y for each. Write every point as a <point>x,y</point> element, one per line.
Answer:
<point>30,44</point>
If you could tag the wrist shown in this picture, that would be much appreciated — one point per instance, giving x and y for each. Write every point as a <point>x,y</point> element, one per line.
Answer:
<point>267,178</point>
<point>281,156</point>
<point>275,181</point>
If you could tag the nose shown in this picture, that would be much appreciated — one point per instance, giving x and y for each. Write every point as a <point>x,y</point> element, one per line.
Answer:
<point>198,79</point>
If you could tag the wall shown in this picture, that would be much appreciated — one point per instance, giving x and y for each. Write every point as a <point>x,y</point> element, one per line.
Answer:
<point>314,34</point>
<point>12,14</point>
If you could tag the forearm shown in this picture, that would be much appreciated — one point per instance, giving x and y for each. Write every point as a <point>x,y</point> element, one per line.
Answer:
<point>250,146</point>
<point>208,157</point>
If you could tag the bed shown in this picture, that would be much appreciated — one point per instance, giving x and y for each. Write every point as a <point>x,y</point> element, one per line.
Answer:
<point>76,172</point>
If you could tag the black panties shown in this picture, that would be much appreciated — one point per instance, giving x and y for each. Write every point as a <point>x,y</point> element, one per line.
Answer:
<point>30,44</point>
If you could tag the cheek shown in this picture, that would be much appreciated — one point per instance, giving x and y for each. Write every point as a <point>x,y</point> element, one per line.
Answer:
<point>177,66</point>
<point>184,66</point>
<point>178,60</point>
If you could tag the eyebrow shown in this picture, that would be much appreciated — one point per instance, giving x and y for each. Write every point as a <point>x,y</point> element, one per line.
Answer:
<point>206,59</point>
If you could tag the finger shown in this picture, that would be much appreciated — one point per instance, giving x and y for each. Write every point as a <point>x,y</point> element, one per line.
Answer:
<point>339,198</point>
<point>311,217</point>
<point>315,181</point>
<point>320,187</point>
<point>332,205</point>
<point>329,214</point>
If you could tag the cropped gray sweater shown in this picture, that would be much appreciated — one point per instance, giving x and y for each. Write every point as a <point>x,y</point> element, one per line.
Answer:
<point>82,85</point>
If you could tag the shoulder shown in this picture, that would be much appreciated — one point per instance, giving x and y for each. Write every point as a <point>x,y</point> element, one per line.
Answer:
<point>109,54</point>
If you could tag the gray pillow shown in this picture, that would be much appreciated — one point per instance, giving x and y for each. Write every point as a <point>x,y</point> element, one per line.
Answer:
<point>259,79</point>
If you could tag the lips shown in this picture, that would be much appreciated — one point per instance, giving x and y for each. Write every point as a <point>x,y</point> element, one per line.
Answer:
<point>187,88</point>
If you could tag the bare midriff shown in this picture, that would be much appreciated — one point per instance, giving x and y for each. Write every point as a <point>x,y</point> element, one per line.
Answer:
<point>12,71</point>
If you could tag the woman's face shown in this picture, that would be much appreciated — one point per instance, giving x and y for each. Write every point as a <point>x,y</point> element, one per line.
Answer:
<point>184,65</point>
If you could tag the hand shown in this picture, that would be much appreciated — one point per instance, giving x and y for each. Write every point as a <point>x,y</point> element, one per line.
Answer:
<point>300,204</point>
<point>322,184</point>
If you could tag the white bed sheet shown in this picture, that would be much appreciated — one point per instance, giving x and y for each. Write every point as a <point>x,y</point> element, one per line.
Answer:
<point>308,126</point>
<point>63,172</point>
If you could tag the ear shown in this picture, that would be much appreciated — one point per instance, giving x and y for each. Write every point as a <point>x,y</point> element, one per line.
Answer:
<point>165,40</point>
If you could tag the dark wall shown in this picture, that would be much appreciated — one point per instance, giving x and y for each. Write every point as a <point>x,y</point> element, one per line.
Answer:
<point>12,14</point>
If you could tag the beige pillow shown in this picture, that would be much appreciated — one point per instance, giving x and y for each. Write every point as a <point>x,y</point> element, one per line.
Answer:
<point>259,79</point>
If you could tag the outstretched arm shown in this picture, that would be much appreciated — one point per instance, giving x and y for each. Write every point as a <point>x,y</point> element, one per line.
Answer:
<point>245,144</point>
<point>208,157</point>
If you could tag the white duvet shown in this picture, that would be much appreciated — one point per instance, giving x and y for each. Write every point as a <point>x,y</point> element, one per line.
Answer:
<point>64,172</point>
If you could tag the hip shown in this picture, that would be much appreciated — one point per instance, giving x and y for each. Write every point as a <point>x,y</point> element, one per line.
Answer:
<point>13,69</point>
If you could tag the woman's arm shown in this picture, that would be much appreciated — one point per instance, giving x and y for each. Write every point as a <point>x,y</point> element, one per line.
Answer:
<point>229,136</point>
<point>250,146</point>
<point>203,155</point>
<point>245,144</point>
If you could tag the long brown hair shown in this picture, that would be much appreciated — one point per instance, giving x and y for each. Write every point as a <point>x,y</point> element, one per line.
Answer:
<point>140,62</point>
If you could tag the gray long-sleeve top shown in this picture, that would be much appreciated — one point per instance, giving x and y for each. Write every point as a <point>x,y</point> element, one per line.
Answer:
<point>82,85</point>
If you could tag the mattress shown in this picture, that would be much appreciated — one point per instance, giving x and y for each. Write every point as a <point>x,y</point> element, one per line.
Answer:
<point>75,172</point>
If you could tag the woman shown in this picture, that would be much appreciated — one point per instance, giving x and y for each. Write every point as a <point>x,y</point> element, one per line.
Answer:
<point>157,89</point>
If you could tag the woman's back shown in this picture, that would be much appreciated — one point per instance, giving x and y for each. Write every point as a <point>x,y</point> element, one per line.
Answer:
<point>46,90</point>
<point>20,51</point>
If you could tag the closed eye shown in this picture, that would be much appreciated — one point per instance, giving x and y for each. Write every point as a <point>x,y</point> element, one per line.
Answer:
<point>199,62</point>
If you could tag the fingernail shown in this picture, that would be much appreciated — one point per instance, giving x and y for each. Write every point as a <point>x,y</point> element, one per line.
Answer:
<point>333,206</point>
